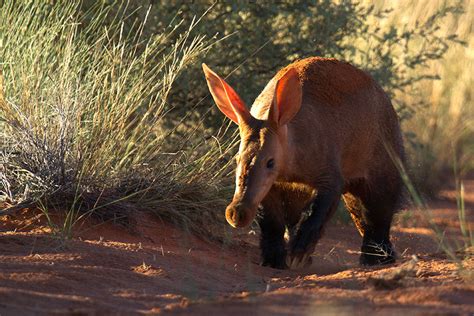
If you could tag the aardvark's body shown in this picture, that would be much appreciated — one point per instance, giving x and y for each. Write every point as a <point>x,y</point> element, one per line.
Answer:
<point>320,129</point>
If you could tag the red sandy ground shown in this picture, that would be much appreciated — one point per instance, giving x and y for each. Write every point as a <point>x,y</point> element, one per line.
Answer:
<point>161,269</point>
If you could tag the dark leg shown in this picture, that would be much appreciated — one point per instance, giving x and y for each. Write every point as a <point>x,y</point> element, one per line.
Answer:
<point>380,200</point>
<point>311,229</point>
<point>272,241</point>
<point>376,246</point>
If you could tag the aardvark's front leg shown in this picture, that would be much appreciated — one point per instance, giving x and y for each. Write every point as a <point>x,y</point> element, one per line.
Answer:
<point>303,244</point>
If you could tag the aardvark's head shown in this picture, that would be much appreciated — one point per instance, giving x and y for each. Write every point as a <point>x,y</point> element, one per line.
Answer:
<point>262,142</point>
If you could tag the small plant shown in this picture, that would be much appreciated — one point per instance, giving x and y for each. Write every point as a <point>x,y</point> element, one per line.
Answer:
<point>63,228</point>
<point>466,230</point>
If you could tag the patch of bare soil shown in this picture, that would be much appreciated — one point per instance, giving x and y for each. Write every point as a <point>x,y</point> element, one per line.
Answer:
<point>161,269</point>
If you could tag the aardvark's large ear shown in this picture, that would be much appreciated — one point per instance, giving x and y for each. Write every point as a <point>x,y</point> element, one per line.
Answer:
<point>227,100</point>
<point>287,98</point>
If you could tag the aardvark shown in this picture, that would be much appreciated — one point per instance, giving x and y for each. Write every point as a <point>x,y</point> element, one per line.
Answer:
<point>319,130</point>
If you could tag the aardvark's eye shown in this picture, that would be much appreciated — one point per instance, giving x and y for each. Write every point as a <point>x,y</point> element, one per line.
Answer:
<point>270,163</point>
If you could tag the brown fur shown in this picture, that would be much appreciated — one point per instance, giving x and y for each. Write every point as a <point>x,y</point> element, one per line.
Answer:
<point>335,121</point>
<point>335,143</point>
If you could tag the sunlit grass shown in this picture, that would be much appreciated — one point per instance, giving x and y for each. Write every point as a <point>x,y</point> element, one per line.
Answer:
<point>444,125</point>
<point>81,108</point>
<point>461,254</point>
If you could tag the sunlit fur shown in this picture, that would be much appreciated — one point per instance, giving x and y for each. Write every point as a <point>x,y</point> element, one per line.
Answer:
<point>259,143</point>
<point>340,131</point>
<point>340,134</point>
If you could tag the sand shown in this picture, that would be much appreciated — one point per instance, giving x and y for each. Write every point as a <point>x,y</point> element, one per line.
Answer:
<point>158,268</point>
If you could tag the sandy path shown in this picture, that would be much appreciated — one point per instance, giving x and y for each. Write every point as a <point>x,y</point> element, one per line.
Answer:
<point>109,270</point>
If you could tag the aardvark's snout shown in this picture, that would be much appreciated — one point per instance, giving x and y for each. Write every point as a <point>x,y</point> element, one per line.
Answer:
<point>239,215</point>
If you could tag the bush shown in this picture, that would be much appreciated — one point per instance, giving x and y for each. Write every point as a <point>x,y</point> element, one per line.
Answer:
<point>256,39</point>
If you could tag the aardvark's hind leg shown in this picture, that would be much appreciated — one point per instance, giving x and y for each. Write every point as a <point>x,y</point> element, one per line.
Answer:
<point>379,205</point>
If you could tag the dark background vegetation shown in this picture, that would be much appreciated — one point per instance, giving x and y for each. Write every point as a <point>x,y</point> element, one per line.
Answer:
<point>260,38</point>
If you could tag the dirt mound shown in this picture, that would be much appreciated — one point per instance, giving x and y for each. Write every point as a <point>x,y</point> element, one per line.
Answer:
<point>159,268</point>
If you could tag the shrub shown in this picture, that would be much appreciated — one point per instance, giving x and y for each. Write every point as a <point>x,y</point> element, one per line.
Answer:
<point>260,38</point>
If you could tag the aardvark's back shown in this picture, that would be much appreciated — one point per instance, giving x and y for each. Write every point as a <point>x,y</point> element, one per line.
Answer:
<point>344,115</point>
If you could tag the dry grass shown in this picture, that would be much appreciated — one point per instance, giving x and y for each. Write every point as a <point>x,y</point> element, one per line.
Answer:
<point>81,113</point>
<point>444,124</point>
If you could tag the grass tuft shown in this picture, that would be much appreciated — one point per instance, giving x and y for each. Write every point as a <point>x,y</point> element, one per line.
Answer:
<point>81,109</point>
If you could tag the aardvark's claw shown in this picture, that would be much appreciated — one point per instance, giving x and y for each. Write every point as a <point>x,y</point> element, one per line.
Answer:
<point>298,260</point>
